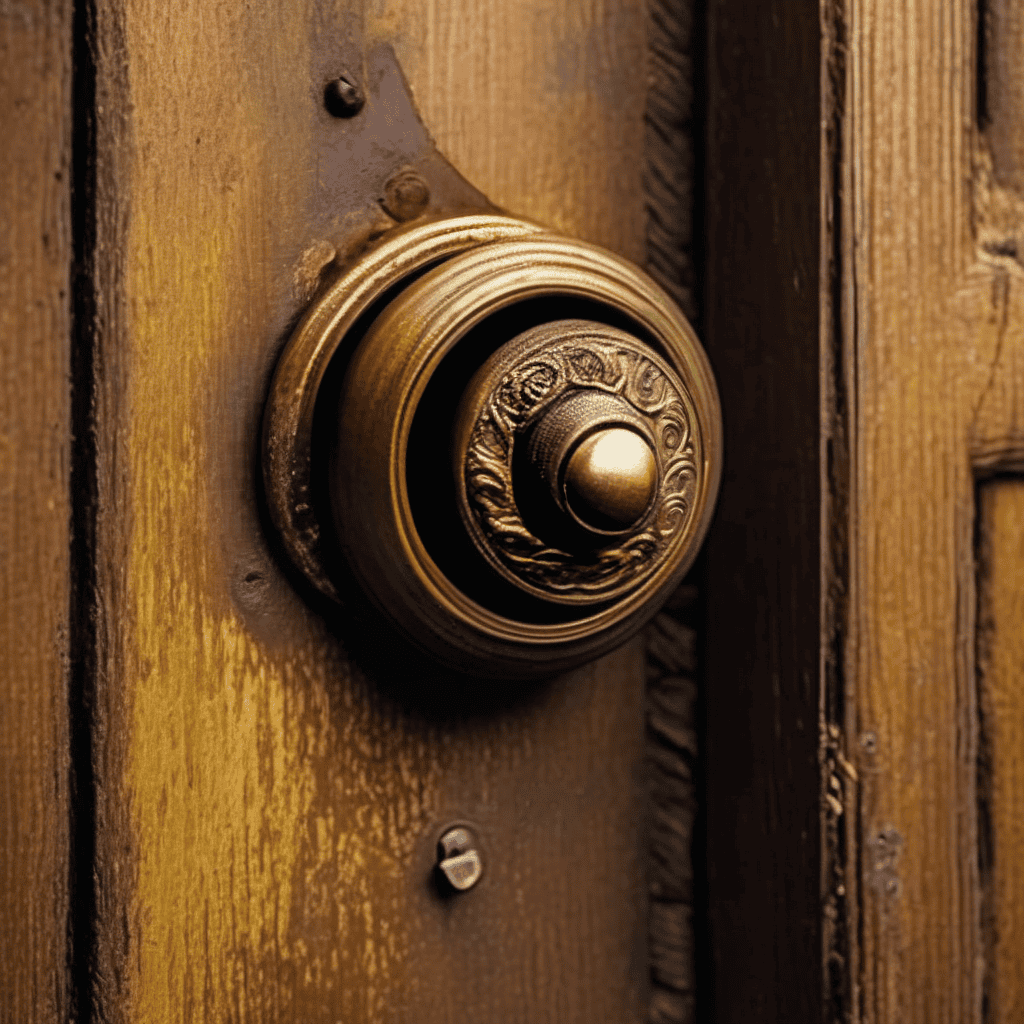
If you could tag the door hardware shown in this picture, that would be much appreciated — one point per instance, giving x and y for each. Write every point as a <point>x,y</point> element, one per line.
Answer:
<point>517,451</point>
<point>343,97</point>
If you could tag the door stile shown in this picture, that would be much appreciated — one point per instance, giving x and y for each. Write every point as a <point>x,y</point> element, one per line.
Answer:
<point>934,340</point>
<point>767,251</point>
<point>36,256</point>
<point>839,777</point>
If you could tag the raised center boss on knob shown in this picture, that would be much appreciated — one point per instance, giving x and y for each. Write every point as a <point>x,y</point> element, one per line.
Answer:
<point>610,479</point>
<point>596,461</point>
<point>527,443</point>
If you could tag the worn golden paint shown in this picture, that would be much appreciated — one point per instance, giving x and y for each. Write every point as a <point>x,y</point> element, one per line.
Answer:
<point>267,810</point>
<point>221,786</point>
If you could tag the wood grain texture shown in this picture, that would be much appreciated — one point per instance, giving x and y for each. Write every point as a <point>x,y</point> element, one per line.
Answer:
<point>670,138</point>
<point>539,103</point>
<point>1001,103</point>
<point>1000,664</point>
<point>766,246</point>
<point>933,339</point>
<point>35,433</point>
<point>268,805</point>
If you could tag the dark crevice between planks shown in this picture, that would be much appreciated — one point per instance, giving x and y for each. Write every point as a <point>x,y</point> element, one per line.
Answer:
<point>981,70</point>
<point>986,848</point>
<point>839,875</point>
<point>673,183</point>
<point>82,925</point>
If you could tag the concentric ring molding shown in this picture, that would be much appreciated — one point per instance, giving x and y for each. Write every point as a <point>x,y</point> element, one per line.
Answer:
<point>384,384</point>
<point>288,416</point>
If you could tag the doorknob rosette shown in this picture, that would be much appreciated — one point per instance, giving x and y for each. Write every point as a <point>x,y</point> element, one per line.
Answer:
<point>577,466</point>
<point>527,448</point>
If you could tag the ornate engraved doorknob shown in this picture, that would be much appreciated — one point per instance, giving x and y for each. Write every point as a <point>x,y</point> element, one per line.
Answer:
<point>520,456</point>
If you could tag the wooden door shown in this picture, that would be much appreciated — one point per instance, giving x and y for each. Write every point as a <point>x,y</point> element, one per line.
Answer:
<point>255,810</point>
<point>253,814</point>
<point>863,745</point>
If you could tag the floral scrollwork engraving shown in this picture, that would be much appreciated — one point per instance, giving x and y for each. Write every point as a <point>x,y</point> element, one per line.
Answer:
<point>614,363</point>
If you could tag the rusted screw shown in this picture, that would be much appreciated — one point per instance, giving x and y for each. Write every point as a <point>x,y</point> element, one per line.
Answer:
<point>458,860</point>
<point>406,194</point>
<point>343,97</point>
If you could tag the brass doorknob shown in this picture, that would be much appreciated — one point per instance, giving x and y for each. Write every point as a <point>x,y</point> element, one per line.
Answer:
<point>524,448</point>
<point>593,455</point>
<point>609,479</point>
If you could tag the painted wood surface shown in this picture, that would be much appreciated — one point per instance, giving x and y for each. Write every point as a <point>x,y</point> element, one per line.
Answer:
<point>267,807</point>
<point>35,326</point>
<point>933,349</point>
<point>539,103</point>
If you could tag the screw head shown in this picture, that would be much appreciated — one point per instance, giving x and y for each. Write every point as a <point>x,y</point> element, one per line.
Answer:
<point>406,194</point>
<point>343,97</point>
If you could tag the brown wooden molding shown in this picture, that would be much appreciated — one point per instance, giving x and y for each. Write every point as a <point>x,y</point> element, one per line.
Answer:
<point>768,224</point>
<point>669,160</point>
<point>669,197</point>
<point>671,715</point>
<point>37,892</point>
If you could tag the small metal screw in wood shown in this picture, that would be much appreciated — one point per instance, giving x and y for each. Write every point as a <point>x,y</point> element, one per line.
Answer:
<point>406,194</point>
<point>458,859</point>
<point>343,97</point>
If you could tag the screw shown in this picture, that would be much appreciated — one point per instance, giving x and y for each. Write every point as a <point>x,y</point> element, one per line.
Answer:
<point>406,194</point>
<point>458,860</point>
<point>343,97</point>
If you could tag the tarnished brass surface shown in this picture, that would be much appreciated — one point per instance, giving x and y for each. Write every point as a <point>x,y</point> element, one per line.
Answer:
<point>548,390</point>
<point>288,419</point>
<point>575,477</point>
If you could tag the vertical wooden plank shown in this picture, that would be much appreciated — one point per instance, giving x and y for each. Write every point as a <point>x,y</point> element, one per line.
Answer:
<point>267,807</point>
<point>763,645</point>
<point>918,368</point>
<point>35,434</point>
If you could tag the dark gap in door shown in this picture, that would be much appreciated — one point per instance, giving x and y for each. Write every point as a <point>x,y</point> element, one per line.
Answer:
<point>82,924</point>
<point>674,200</point>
